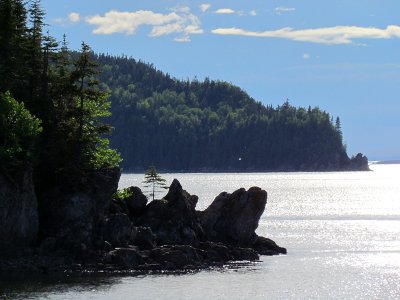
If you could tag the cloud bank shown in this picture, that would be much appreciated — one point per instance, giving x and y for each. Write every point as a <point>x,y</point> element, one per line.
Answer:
<point>328,35</point>
<point>180,22</point>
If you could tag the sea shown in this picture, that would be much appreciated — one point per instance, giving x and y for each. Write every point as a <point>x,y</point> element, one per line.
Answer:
<point>341,230</point>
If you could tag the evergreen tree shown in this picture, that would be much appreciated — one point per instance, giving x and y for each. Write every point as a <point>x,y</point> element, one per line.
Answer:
<point>13,49</point>
<point>90,109</point>
<point>35,60</point>
<point>153,181</point>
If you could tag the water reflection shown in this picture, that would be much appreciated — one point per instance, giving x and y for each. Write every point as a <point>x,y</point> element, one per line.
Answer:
<point>59,286</point>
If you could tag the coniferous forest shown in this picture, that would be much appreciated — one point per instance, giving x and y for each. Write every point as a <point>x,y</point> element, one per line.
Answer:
<point>182,125</point>
<point>51,107</point>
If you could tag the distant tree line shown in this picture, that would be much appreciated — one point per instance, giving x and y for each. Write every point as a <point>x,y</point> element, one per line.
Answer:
<point>182,125</point>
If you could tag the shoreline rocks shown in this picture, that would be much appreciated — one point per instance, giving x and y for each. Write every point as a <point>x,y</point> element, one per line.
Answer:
<point>176,236</point>
<point>167,234</point>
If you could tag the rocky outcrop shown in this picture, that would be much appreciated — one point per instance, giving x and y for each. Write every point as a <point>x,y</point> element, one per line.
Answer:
<point>171,234</point>
<point>173,219</point>
<point>359,163</point>
<point>74,217</point>
<point>18,212</point>
<point>133,204</point>
<point>86,230</point>
<point>233,218</point>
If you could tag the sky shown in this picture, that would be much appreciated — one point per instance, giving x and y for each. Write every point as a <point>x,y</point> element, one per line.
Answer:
<point>342,56</point>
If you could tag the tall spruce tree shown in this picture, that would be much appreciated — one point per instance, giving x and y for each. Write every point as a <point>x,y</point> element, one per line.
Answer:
<point>13,50</point>
<point>92,106</point>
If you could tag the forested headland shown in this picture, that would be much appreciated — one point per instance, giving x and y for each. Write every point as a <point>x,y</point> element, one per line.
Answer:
<point>191,125</point>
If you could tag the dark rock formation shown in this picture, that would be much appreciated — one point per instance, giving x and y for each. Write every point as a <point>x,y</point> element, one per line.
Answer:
<point>73,217</point>
<point>119,231</point>
<point>136,201</point>
<point>132,205</point>
<point>265,246</point>
<point>126,258</point>
<point>89,230</point>
<point>233,218</point>
<point>173,219</point>
<point>19,222</point>
<point>171,234</point>
<point>145,239</point>
<point>359,163</point>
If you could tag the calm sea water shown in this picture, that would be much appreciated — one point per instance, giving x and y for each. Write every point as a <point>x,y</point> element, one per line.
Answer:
<point>342,232</point>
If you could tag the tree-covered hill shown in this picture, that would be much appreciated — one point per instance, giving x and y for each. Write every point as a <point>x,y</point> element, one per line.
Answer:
<point>212,125</point>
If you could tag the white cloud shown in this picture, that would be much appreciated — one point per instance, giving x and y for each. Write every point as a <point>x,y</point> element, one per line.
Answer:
<point>253,13</point>
<point>74,17</point>
<point>230,11</point>
<point>182,39</point>
<point>179,21</point>
<point>225,11</point>
<point>281,9</point>
<point>328,35</point>
<point>205,6</point>
<point>306,56</point>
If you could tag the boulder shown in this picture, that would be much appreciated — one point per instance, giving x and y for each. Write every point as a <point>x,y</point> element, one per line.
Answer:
<point>145,239</point>
<point>176,256</point>
<point>19,220</point>
<point>119,231</point>
<point>173,219</point>
<point>136,201</point>
<point>233,218</point>
<point>265,246</point>
<point>221,253</point>
<point>126,258</point>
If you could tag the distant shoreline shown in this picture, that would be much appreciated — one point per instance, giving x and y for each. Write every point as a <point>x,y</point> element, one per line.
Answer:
<point>386,162</point>
<point>211,171</point>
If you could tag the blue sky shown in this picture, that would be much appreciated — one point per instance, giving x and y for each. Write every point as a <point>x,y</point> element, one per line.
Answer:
<point>342,56</point>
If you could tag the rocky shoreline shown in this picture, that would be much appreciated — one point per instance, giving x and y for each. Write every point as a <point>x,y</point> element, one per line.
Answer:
<point>129,234</point>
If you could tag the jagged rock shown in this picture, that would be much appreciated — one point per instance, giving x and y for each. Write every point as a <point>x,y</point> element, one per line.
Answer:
<point>220,253</point>
<point>132,205</point>
<point>136,202</point>
<point>126,258</point>
<point>119,231</point>
<point>359,163</point>
<point>176,256</point>
<point>233,218</point>
<point>173,219</point>
<point>19,221</point>
<point>266,246</point>
<point>145,238</point>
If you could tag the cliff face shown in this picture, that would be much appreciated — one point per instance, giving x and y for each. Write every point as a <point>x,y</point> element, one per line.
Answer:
<point>70,219</point>
<point>19,220</point>
<point>62,218</point>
